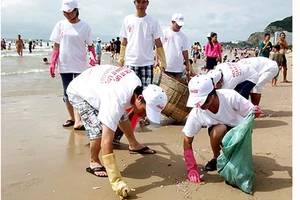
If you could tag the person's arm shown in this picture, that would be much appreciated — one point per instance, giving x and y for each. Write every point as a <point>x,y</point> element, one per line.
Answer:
<point>91,50</point>
<point>190,161</point>
<point>121,60</point>
<point>161,54</point>
<point>55,54</point>
<point>220,52</point>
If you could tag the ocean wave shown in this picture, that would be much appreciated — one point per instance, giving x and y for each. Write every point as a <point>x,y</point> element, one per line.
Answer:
<point>24,72</point>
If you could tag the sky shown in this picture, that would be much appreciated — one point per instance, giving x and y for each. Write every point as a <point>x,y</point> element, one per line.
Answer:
<point>231,20</point>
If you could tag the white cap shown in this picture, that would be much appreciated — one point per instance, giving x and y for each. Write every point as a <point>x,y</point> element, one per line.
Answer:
<point>68,5</point>
<point>178,18</point>
<point>199,87</point>
<point>98,39</point>
<point>156,99</point>
<point>215,75</point>
<point>208,34</point>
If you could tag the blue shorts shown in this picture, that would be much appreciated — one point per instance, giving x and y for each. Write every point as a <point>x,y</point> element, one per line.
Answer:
<point>244,88</point>
<point>145,73</point>
<point>89,117</point>
<point>66,80</point>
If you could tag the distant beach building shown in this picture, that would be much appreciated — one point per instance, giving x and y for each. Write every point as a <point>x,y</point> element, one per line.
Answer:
<point>288,37</point>
<point>234,42</point>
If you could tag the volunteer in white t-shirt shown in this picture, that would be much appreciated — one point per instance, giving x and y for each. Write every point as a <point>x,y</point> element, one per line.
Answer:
<point>71,37</point>
<point>176,47</point>
<point>101,95</point>
<point>141,33</point>
<point>266,69</point>
<point>231,75</point>
<point>219,110</point>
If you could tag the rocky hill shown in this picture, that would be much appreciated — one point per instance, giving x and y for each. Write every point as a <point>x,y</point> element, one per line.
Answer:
<point>282,25</point>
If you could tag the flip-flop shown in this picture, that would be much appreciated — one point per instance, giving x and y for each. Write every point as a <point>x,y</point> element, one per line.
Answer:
<point>68,123</point>
<point>80,128</point>
<point>142,151</point>
<point>96,169</point>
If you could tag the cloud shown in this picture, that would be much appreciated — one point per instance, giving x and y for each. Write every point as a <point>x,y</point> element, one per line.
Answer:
<point>232,20</point>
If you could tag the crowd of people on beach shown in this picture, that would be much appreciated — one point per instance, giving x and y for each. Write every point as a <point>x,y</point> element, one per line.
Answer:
<point>101,98</point>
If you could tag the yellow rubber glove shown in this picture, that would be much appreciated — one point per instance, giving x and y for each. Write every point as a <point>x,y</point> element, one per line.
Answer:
<point>114,175</point>
<point>161,55</point>
<point>122,56</point>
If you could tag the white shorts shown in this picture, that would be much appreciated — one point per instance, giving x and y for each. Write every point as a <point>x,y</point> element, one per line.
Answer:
<point>264,78</point>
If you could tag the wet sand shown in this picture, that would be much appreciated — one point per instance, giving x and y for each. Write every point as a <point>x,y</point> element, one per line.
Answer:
<point>43,160</point>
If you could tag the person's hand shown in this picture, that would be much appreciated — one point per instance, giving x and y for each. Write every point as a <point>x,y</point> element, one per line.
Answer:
<point>52,70</point>
<point>191,166</point>
<point>92,62</point>
<point>194,176</point>
<point>257,111</point>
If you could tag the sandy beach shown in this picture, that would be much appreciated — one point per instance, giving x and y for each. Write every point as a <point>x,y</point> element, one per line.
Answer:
<point>42,160</point>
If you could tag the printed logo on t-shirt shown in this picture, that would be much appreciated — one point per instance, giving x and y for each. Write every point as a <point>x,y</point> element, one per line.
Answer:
<point>114,74</point>
<point>130,28</point>
<point>236,70</point>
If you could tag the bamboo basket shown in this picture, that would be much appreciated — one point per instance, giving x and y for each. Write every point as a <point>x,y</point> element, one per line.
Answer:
<point>177,93</point>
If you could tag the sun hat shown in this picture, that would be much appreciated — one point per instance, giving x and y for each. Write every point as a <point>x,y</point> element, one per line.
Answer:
<point>68,5</point>
<point>215,75</point>
<point>156,99</point>
<point>98,39</point>
<point>199,88</point>
<point>178,18</point>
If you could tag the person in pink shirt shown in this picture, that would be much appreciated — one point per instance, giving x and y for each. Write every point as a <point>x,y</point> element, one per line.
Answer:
<point>212,52</point>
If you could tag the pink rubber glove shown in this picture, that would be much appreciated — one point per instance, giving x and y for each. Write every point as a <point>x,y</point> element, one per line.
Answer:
<point>91,50</point>
<point>54,58</point>
<point>257,111</point>
<point>191,166</point>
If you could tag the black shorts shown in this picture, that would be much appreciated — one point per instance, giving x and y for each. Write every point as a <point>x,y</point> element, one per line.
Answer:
<point>211,62</point>
<point>211,128</point>
<point>284,61</point>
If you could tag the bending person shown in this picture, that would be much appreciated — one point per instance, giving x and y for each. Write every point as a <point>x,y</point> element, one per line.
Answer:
<point>101,95</point>
<point>266,68</point>
<point>219,110</point>
<point>234,76</point>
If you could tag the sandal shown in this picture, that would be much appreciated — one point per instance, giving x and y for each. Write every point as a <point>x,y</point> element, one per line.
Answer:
<point>144,122</point>
<point>211,165</point>
<point>68,123</point>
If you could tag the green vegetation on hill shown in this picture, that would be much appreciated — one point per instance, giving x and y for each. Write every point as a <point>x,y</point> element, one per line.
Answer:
<point>281,25</point>
<point>286,24</point>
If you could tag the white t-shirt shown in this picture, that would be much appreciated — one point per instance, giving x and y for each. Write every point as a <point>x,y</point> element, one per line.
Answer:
<point>141,33</point>
<point>174,44</point>
<point>234,74</point>
<point>108,89</point>
<point>233,108</point>
<point>266,69</point>
<point>260,64</point>
<point>73,40</point>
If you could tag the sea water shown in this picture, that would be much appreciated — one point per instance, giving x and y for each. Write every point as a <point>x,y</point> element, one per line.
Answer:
<point>28,75</point>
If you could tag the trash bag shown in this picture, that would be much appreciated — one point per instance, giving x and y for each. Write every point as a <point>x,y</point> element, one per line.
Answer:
<point>234,164</point>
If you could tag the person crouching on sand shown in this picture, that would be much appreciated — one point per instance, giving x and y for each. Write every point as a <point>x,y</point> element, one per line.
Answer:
<point>101,95</point>
<point>220,110</point>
